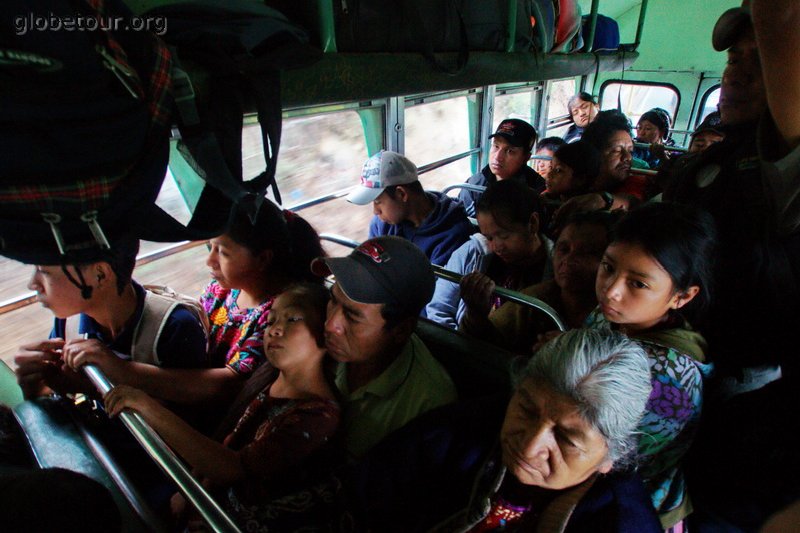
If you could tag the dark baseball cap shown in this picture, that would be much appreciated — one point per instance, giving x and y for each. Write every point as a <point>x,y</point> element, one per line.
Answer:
<point>517,132</point>
<point>384,270</point>
<point>712,122</point>
<point>730,26</point>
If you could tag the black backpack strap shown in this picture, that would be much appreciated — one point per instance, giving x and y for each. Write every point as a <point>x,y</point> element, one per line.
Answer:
<point>201,148</point>
<point>266,90</point>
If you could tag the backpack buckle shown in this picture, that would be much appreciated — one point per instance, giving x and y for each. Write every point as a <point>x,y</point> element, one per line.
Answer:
<point>90,217</point>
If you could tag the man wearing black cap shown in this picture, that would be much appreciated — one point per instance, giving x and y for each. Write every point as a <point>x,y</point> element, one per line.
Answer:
<point>707,133</point>
<point>744,461</point>
<point>512,144</point>
<point>386,375</point>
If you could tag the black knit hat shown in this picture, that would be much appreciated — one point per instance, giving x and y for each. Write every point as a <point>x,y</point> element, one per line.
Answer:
<point>660,119</point>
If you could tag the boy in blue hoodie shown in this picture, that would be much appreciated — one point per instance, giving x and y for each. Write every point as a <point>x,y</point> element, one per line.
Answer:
<point>433,221</point>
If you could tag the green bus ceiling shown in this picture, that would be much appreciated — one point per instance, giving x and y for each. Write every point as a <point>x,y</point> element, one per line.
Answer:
<point>676,35</point>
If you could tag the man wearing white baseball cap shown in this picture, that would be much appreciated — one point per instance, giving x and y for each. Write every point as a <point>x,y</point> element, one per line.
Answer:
<point>433,221</point>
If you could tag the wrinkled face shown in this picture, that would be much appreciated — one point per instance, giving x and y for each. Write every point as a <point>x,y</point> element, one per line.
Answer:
<point>288,341</point>
<point>388,209</point>
<point>56,292</point>
<point>541,166</point>
<point>577,255</point>
<point>742,95</point>
<point>647,132</point>
<point>233,265</point>
<point>583,113</point>
<point>615,165</point>
<point>633,289</point>
<point>561,179</point>
<point>354,332</point>
<point>505,159</point>
<point>513,243</point>
<point>547,443</point>
<point>703,140</point>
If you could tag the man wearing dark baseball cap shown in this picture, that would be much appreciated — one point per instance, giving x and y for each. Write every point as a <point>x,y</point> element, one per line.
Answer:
<point>386,375</point>
<point>750,183</point>
<point>433,221</point>
<point>510,151</point>
<point>708,132</point>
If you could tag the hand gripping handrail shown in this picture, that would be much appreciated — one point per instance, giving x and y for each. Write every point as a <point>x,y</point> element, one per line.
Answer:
<point>455,277</point>
<point>169,463</point>
<point>510,295</point>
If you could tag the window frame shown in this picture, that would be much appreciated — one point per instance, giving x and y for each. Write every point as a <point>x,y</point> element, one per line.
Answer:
<point>699,118</point>
<point>669,86</point>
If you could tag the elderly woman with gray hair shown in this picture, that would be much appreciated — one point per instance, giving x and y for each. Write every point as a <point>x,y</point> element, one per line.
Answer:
<point>567,437</point>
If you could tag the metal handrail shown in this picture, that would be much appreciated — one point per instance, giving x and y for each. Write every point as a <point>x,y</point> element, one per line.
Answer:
<point>455,277</point>
<point>667,148</point>
<point>152,443</point>
<point>644,171</point>
<point>589,45</point>
<point>339,239</point>
<point>640,25</point>
<point>446,161</point>
<point>327,26</point>
<point>467,186</point>
<point>510,295</point>
<point>28,298</point>
<point>119,477</point>
<point>420,170</point>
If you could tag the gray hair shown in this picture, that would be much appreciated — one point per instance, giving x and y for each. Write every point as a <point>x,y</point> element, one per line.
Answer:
<point>605,374</point>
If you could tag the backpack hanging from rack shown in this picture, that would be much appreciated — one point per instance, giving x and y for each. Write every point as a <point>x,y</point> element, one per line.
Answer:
<point>86,116</point>
<point>228,59</point>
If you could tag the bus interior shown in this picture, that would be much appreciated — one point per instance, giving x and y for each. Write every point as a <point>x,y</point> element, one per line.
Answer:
<point>346,106</point>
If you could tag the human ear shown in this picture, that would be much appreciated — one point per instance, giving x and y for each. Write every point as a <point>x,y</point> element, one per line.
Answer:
<point>402,331</point>
<point>99,273</point>
<point>605,466</point>
<point>401,193</point>
<point>682,298</point>
<point>533,223</point>
<point>265,259</point>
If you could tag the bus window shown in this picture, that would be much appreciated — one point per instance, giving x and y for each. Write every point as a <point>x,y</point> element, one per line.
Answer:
<point>709,104</point>
<point>435,130</point>
<point>511,103</point>
<point>637,98</point>
<point>558,119</point>
<point>318,154</point>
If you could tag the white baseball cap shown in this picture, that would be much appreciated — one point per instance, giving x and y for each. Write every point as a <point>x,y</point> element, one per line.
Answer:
<point>380,171</point>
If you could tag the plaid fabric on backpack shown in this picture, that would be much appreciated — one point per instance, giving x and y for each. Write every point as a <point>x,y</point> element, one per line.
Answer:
<point>85,116</point>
